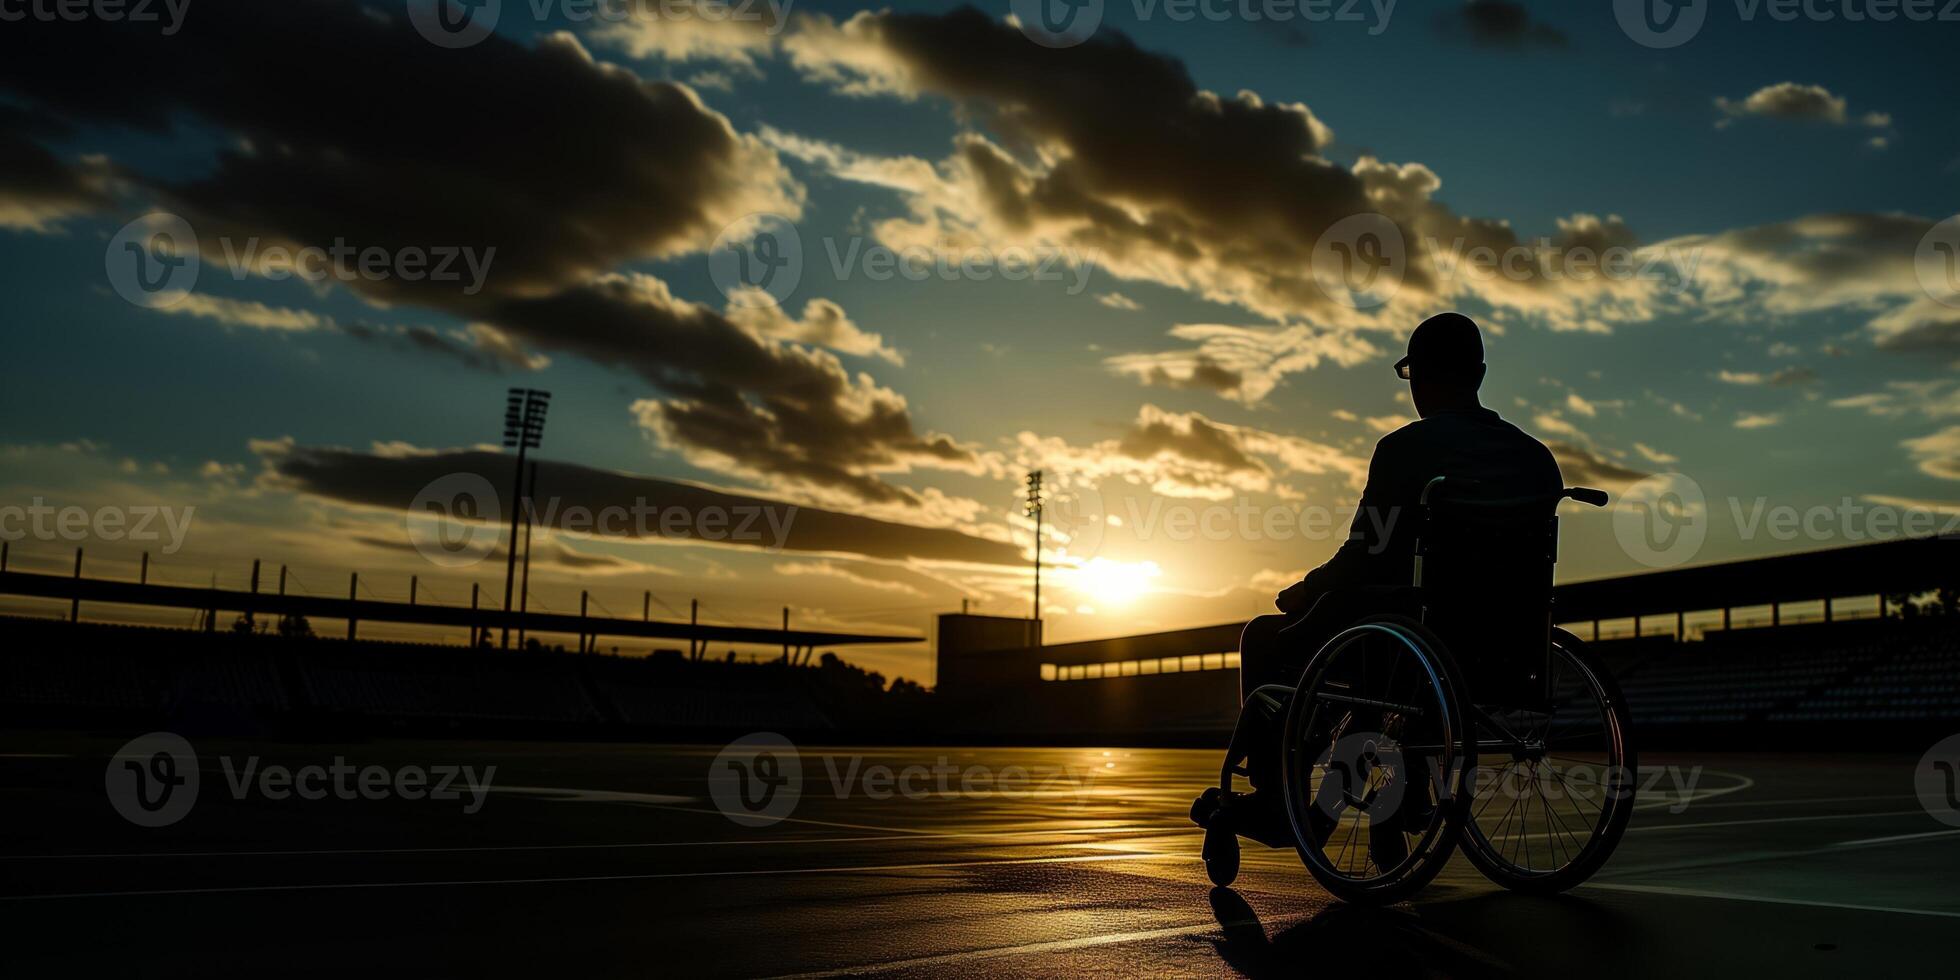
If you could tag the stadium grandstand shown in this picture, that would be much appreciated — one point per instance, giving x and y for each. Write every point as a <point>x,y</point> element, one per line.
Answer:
<point>1864,639</point>
<point>59,674</point>
<point>1755,652</point>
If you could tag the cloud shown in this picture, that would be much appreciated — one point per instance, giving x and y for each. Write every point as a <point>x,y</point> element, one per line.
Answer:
<point>246,313</point>
<point>1553,423</point>
<point>1915,504</point>
<point>1189,455</point>
<point>639,169</point>
<point>479,346</point>
<point>1937,454</point>
<point>1580,466</point>
<point>1242,363</point>
<point>858,579</point>
<point>732,34</point>
<point>1805,103</point>
<point>1936,399</point>
<point>1113,152</point>
<point>391,481</point>
<point>1782,378</point>
<point>1498,24</point>
<point>1654,455</point>
<point>823,324</point>
<point>1118,301</point>
<point>37,188</point>
<point>1757,420</point>
<point>1861,263</point>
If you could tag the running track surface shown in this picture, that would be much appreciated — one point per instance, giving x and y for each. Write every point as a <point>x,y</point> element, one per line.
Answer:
<point>613,860</point>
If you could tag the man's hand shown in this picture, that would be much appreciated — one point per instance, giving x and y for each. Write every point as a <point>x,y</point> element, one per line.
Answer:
<point>1294,598</point>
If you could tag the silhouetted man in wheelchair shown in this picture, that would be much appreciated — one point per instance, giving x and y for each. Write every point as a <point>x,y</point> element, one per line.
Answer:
<point>1456,438</point>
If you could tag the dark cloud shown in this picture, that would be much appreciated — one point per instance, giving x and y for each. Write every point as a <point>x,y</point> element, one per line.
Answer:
<point>339,124</point>
<point>738,402</point>
<point>37,188</point>
<point>1148,169</point>
<point>1927,331</point>
<point>480,346</point>
<point>392,481</point>
<point>1205,375</point>
<point>1581,466</point>
<point>345,125</point>
<point>1498,24</point>
<point>1191,437</point>
<point>1115,152</point>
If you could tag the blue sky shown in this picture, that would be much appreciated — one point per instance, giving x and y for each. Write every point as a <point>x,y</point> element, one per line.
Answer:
<point>1798,362</point>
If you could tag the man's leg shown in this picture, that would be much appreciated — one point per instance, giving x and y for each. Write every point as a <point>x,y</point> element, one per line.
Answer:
<point>1263,657</point>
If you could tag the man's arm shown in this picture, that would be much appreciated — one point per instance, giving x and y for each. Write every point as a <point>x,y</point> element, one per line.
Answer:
<point>1358,559</point>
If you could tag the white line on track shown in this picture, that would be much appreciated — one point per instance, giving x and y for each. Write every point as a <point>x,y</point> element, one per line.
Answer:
<point>1696,797</point>
<point>1111,834</point>
<point>580,879</point>
<point>485,848</point>
<point>1054,946</point>
<point>1896,838</point>
<point>1657,828</point>
<point>1764,899</point>
<point>1804,802</point>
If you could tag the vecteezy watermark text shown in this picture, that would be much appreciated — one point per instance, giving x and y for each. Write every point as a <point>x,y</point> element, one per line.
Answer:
<point>454,520</point>
<point>154,781</point>
<point>169,13</point>
<point>155,261</point>
<point>757,780</point>
<point>758,261</point>
<point>462,23</point>
<point>1066,23</point>
<point>142,522</point>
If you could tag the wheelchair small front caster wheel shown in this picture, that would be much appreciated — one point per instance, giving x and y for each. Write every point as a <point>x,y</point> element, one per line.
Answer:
<point>1221,854</point>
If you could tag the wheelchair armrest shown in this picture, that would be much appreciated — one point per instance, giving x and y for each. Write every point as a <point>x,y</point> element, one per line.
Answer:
<point>1354,602</point>
<point>1587,495</point>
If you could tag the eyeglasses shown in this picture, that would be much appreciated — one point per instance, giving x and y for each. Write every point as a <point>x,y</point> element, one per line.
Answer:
<point>1402,369</point>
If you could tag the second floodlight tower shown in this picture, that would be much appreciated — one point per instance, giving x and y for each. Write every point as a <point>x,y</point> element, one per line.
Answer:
<point>1034,511</point>
<point>524,410</point>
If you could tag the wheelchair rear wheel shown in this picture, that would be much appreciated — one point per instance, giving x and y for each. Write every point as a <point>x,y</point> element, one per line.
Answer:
<point>1554,790</point>
<point>1374,751</point>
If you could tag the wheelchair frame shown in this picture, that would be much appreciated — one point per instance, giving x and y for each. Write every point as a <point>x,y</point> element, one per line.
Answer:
<point>1469,729</point>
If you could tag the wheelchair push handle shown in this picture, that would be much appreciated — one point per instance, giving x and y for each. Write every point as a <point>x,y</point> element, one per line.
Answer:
<point>1437,485</point>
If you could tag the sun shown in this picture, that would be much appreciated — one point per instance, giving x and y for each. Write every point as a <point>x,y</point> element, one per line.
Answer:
<point>1114,583</point>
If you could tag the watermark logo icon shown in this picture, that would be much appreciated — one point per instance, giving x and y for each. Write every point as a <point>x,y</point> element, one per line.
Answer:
<point>757,779</point>
<point>454,23</point>
<point>1937,263</point>
<point>454,521</point>
<point>1360,260</point>
<point>1365,772</point>
<point>1058,23</point>
<point>1661,23</point>
<point>153,779</point>
<point>1937,780</point>
<point>1074,521</point>
<point>757,261</point>
<point>1662,520</point>
<point>153,261</point>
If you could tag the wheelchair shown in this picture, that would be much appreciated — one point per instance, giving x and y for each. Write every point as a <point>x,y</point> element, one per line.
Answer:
<point>1452,712</point>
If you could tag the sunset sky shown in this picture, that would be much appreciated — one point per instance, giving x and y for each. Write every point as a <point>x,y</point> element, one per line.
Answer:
<point>1784,332</point>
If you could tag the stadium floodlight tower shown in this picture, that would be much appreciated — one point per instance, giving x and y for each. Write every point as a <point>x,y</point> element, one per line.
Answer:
<point>1034,511</point>
<point>524,410</point>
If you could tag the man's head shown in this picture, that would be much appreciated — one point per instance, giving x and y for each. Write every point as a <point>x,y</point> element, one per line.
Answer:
<point>1445,365</point>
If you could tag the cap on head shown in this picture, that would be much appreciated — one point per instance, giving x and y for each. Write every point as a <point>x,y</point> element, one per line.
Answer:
<point>1447,344</point>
